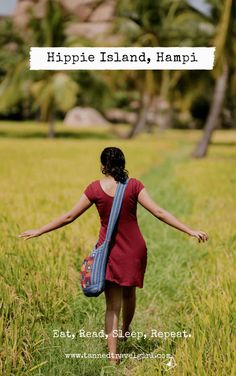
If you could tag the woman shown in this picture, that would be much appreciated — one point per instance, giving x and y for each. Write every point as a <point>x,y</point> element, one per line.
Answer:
<point>128,253</point>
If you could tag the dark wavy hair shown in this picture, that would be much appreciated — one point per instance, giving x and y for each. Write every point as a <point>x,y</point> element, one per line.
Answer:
<point>113,161</point>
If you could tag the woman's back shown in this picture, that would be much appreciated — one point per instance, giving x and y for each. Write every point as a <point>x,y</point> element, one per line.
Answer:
<point>128,253</point>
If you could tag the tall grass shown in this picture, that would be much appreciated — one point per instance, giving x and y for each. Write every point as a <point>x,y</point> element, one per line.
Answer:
<point>188,286</point>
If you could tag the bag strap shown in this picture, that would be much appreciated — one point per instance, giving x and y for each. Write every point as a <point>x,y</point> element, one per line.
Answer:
<point>115,209</point>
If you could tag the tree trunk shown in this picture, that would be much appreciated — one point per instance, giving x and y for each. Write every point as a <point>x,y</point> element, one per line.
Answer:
<point>167,119</point>
<point>51,122</point>
<point>214,113</point>
<point>142,117</point>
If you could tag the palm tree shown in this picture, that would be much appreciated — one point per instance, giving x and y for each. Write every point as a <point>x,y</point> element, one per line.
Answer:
<point>152,24</point>
<point>141,24</point>
<point>51,90</point>
<point>224,42</point>
<point>13,66</point>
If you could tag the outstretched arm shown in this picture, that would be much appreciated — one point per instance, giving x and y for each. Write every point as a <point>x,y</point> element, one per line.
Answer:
<point>82,205</point>
<point>146,201</point>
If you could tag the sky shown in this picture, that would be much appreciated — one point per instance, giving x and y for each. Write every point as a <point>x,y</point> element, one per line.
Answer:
<point>200,5</point>
<point>7,7</point>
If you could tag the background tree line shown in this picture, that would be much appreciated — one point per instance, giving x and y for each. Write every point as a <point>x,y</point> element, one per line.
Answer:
<point>185,99</point>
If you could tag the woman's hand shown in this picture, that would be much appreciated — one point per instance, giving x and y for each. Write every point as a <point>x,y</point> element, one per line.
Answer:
<point>200,235</point>
<point>30,234</point>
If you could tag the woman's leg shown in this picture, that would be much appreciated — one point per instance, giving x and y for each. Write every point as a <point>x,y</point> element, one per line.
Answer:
<point>113,294</point>
<point>128,306</point>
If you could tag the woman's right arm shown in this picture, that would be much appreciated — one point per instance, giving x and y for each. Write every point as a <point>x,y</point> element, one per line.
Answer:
<point>146,201</point>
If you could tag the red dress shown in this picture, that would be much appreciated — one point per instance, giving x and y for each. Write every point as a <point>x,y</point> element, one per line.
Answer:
<point>127,257</point>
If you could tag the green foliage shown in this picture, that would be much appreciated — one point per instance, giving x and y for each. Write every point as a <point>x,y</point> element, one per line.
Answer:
<point>139,23</point>
<point>57,91</point>
<point>51,91</point>
<point>10,41</point>
<point>176,23</point>
<point>95,91</point>
<point>49,31</point>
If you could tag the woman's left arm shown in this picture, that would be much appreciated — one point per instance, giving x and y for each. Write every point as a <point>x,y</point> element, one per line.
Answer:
<point>146,201</point>
<point>82,205</point>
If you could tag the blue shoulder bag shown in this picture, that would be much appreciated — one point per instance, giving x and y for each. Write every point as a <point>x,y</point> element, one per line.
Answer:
<point>93,268</point>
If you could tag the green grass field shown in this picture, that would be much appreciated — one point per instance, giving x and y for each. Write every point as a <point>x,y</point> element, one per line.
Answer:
<point>188,286</point>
